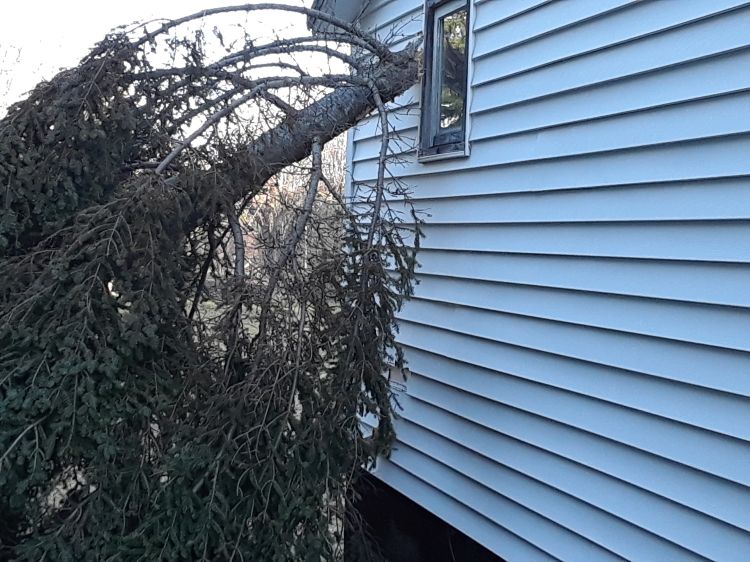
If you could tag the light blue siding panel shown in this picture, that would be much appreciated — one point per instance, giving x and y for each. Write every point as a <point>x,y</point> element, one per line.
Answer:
<point>705,366</point>
<point>698,200</point>
<point>705,38</point>
<point>373,10</point>
<point>713,117</point>
<point>721,156</point>
<point>441,355</point>
<point>710,283</point>
<point>708,325</point>
<point>566,31</point>
<point>702,159</point>
<point>575,515</point>
<point>401,32</point>
<point>548,20</point>
<point>403,118</point>
<point>400,141</point>
<point>585,501</point>
<point>579,342</point>
<point>685,445</point>
<point>700,240</point>
<point>379,14</point>
<point>395,21</point>
<point>612,465</point>
<point>490,12</point>
<point>694,79</point>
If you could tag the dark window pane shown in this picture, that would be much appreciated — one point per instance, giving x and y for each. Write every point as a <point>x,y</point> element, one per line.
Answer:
<point>451,68</point>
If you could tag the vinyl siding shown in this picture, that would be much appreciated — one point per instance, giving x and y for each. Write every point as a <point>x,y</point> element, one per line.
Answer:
<point>579,340</point>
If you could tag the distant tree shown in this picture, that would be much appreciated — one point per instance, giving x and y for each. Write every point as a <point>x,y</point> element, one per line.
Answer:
<point>178,381</point>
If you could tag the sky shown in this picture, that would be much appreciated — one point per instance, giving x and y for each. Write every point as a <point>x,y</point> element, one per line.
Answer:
<point>39,37</point>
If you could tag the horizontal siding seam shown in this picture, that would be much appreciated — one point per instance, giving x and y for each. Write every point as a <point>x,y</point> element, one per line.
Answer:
<point>395,135</point>
<point>374,117</point>
<point>416,197</point>
<point>603,151</point>
<point>592,256</point>
<point>586,256</point>
<point>589,256</point>
<point>556,222</point>
<point>403,40</point>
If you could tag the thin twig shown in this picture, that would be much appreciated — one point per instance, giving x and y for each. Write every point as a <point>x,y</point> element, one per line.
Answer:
<point>18,439</point>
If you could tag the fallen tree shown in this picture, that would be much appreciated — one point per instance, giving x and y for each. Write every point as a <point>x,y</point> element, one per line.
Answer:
<point>173,384</point>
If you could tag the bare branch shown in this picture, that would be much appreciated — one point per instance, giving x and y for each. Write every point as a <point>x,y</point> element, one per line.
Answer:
<point>239,243</point>
<point>295,235</point>
<point>376,46</point>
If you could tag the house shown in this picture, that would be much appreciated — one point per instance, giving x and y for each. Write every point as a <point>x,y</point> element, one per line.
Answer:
<point>579,342</point>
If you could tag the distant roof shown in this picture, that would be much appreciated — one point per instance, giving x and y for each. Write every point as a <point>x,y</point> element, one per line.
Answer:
<point>347,10</point>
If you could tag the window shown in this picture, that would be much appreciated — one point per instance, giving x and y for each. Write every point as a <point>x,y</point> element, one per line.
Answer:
<point>443,124</point>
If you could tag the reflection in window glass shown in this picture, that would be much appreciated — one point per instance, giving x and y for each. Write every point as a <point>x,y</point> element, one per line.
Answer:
<point>451,67</point>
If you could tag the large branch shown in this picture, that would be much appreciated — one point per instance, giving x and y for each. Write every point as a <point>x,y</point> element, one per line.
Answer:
<point>292,140</point>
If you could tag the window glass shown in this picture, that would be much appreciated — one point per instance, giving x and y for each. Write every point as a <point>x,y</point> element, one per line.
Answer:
<point>451,70</point>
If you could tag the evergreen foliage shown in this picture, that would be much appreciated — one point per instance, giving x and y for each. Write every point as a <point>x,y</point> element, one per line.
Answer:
<point>161,396</point>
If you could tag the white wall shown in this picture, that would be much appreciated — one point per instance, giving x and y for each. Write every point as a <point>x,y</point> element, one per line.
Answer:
<point>580,339</point>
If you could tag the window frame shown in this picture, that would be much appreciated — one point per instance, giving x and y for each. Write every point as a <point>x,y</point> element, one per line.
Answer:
<point>457,144</point>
